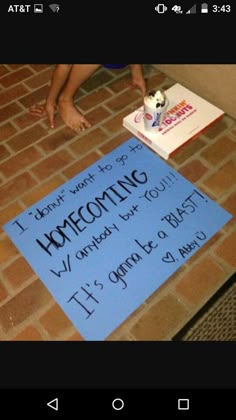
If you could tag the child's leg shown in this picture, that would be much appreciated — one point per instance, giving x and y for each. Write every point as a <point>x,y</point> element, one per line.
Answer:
<point>70,115</point>
<point>137,77</point>
<point>59,77</point>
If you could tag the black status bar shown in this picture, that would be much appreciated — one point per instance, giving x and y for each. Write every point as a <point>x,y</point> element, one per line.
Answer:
<point>66,9</point>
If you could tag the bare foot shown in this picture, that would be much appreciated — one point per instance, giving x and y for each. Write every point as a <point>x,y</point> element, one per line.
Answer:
<point>71,116</point>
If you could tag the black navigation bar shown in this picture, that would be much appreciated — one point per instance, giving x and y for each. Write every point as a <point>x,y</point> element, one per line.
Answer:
<point>180,404</point>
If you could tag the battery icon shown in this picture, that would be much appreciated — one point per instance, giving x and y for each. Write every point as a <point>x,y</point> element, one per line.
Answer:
<point>204,8</point>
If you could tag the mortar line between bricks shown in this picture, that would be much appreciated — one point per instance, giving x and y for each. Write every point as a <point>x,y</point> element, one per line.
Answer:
<point>44,309</point>
<point>192,264</point>
<point>211,166</point>
<point>8,67</point>
<point>225,197</point>
<point>20,105</point>
<point>30,89</point>
<point>125,89</point>
<point>32,69</point>
<point>215,139</point>
<point>20,330</point>
<point>10,260</point>
<point>41,330</point>
<point>227,268</point>
<point>218,196</point>
<point>132,320</point>
<point>4,142</point>
<point>98,151</point>
<point>108,110</point>
<point>226,194</point>
<point>65,335</point>
<point>13,291</point>
<point>38,313</point>
<point>10,120</point>
<point>19,97</point>
<point>197,157</point>
<point>194,308</point>
<point>17,329</point>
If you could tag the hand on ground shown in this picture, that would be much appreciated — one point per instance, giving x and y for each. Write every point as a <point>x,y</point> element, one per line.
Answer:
<point>42,111</point>
<point>140,84</point>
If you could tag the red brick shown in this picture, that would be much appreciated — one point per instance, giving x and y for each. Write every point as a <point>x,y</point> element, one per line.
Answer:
<point>9,111</point>
<point>9,213</point>
<point>4,153</point>
<point>120,84</point>
<point>23,305</point>
<point>216,129</point>
<point>7,249</point>
<point>160,320</point>
<point>52,164</point>
<point>6,130</point>
<point>115,142</point>
<point>35,97</point>
<point>75,337</point>
<point>118,72</point>
<point>205,248</point>
<point>15,188</point>
<point>55,140</point>
<point>28,334</point>
<point>25,119</point>
<point>189,150</point>
<point>18,272</point>
<point>40,79</point>
<point>97,115</point>
<point>55,321</point>
<point>200,282</point>
<point>217,151</point>
<point>20,161</point>
<point>122,100</point>
<point>87,141</point>
<point>94,99</point>
<point>230,204</point>
<point>42,190</point>
<point>115,124</point>
<point>81,164</point>
<point>96,80</point>
<point>12,93</point>
<point>26,138</point>
<point>3,293</point>
<point>3,70</point>
<point>155,81</point>
<point>16,77</point>
<point>193,170</point>
<point>40,67</point>
<point>15,66</point>
<point>209,193</point>
<point>222,180</point>
<point>226,250</point>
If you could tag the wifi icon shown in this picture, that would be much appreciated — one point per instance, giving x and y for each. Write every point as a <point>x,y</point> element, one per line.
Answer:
<point>54,7</point>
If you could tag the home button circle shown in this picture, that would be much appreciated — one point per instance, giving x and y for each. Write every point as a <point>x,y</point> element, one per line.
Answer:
<point>118,404</point>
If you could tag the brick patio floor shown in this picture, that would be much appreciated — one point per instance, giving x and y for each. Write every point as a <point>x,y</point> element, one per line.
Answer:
<point>34,160</point>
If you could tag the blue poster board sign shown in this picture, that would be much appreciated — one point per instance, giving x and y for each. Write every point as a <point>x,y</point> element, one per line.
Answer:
<point>107,239</point>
